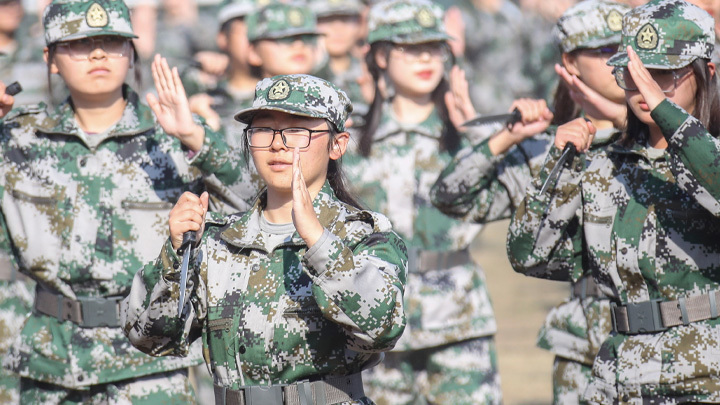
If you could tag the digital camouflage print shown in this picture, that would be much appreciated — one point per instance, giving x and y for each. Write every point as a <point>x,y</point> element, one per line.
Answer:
<point>590,24</point>
<point>667,34</point>
<point>83,214</point>
<point>276,315</point>
<point>326,8</point>
<point>303,95</point>
<point>231,9</point>
<point>645,226</point>
<point>281,20</point>
<point>570,379</point>
<point>16,299</point>
<point>67,20</point>
<point>406,22</point>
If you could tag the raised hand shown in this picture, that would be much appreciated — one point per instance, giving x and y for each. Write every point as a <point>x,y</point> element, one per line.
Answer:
<point>592,102</point>
<point>578,132</point>
<point>188,214</point>
<point>303,214</point>
<point>457,99</point>
<point>171,106</point>
<point>6,101</point>
<point>455,27</point>
<point>201,104</point>
<point>646,85</point>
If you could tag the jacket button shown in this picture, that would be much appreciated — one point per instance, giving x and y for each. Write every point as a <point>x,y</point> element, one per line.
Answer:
<point>83,162</point>
<point>80,378</point>
<point>241,349</point>
<point>624,250</point>
<point>625,397</point>
<point>176,265</point>
<point>255,267</point>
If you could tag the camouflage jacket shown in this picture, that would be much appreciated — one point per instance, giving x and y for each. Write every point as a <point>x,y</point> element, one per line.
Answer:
<point>275,317</point>
<point>480,187</point>
<point>347,81</point>
<point>646,228</point>
<point>443,305</point>
<point>83,214</point>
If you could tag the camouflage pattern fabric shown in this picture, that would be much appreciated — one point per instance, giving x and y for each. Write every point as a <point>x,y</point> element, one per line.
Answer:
<point>541,53</point>
<point>66,20</point>
<point>303,95</point>
<point>444,305</point>
<point>172,387</point>
<point>231,9</point>
<point>406,22</point>
<point>324,8</point>
<point>488,57</point>
<point>347,81</point>
<point>667,34</point>
<point>281,20</point>
<point>463,373</point>
<point>83,214</point>
<point>570,379</point>
<point>279,316</point>
<point>644,227</point>
<point>590,24</point>
<point>16,299</point>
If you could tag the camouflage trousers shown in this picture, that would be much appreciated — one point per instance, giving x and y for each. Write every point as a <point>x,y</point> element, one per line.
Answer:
<point>459,373</point>
<point>570,378</point>
<point>171,387</point>
<point>16,299</point>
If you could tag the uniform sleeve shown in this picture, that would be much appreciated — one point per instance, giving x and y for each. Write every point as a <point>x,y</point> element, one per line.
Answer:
<point>694,154</point>
<point>361,287</point>
<point>149,315</point>
<point>544,238</point>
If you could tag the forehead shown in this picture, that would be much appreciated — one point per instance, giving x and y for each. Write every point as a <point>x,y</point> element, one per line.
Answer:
<point>279,120</point>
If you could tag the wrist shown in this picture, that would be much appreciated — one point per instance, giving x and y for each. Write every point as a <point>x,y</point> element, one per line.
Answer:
<point>501,142</point>
<point>195,138</point>
<point>311,236</point>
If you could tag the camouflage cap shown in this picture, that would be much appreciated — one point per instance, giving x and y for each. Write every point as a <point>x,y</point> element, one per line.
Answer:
<point>325,8</point>
<point>406,22</point>
<point>666,34</point>
<point>304,95</point>
<point>281,20</point>
<point>230,9</point>
<point>65,20</point>
<point>590,24</point>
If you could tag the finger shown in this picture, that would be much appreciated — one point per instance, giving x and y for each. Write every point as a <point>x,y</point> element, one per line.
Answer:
<point>205,201</point>
<point>165,75</point>
<point>565,76</point>
<point>177,83</point>
<point>154,104</point>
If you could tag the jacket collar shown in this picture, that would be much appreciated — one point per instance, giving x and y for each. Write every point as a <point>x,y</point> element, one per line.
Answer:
<point>431,127</point>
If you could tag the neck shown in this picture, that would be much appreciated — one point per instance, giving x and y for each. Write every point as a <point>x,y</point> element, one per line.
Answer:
<point>412,110</point>
<point>7,41</point>
<point>656,139</point>
<point>239,78</point>
<point>339,64</point>
<point>97,115</point>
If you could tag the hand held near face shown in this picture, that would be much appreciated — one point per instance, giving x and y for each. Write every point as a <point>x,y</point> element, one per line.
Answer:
<point>7,100</point>
<point>646,85</point>
<point>303,213</point>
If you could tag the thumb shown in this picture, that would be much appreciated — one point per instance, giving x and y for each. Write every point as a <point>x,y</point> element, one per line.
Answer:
<point>591,128</point>
<point>204,200</point>
<point>153,103</point>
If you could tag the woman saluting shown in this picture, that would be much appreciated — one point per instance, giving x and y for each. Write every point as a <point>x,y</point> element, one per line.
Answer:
<point>296,296</point>
<point>643,214</point>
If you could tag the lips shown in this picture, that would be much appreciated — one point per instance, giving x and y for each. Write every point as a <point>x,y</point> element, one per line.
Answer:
<point>99,70</point>
<point>279,165</point>
<point>424,74</point>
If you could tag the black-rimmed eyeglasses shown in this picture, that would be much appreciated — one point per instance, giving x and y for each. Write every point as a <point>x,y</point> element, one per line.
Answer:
<point>262,137</point>
<point>666,79</point>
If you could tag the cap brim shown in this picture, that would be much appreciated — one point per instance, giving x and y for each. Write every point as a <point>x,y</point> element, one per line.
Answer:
<point>288,33</point>
<point>421,39</point>
<point>653,60</point>
<point>246,115</point>
<point>98,33</point>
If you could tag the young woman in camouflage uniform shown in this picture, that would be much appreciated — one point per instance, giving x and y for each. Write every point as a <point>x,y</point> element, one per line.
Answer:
<point>642,214</point>
<point>447,354</point>
<point>296,296</point>
<point>488,181</point>
<point>84,191</point>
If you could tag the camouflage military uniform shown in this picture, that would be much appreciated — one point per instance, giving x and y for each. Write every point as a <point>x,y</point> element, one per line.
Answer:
<point>273,311</point>
<point>488,57</point>
<point>82,213</point>
<point>642,220</point>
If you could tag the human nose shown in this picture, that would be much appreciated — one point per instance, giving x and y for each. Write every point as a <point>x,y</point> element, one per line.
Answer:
<point>278,142</point>
<point>97,51</point>
<point>425,55</point>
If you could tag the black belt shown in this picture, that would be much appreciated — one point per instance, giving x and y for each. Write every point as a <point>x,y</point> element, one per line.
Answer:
<point>422,261</point>
<point>658,315</point>
<point>87,312</point>
<point>330,390</point>
<point>586,287</point>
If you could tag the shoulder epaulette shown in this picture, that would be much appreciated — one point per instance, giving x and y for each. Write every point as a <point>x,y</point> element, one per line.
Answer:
<point>26,109</point>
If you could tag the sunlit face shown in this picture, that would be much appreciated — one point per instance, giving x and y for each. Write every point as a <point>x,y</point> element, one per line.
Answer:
<point>11,15</point>
<point>274,163</point>
<point>415,70</point>
<point>591,67</point>
<point>683,95</point>
<point>341,33</point>
<point>100,75</point>
<point>285,56</point>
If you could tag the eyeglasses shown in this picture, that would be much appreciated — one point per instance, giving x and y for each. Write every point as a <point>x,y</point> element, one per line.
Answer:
<point>666,79</point>
<point>114,47</point>
<point>261,137</point>
<point>604,52</point>
<point>305,38</point>
<point>412,53</point>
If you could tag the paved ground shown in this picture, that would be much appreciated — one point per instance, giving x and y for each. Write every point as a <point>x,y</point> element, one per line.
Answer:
<point>521,304</point>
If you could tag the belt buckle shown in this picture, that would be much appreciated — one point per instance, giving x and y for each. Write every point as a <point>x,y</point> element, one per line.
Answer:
<point>644,317</point>
<point>99,312</point>
<point>263,394</point>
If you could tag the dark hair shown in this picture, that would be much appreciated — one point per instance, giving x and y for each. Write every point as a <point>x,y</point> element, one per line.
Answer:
<point>449,138</point>
<point>335,174</point>
<point>707,105</point>
<point>52,50</point>
<point>564,107</point>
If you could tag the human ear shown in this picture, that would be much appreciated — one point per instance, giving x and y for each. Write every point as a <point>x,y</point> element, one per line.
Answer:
<point>381,59</point>
<point>51,64</point>
<point>254,58</point>
<point>339,145</point>
<point>222,41</point>
<point>711,68</point>
<point>569,61</point>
